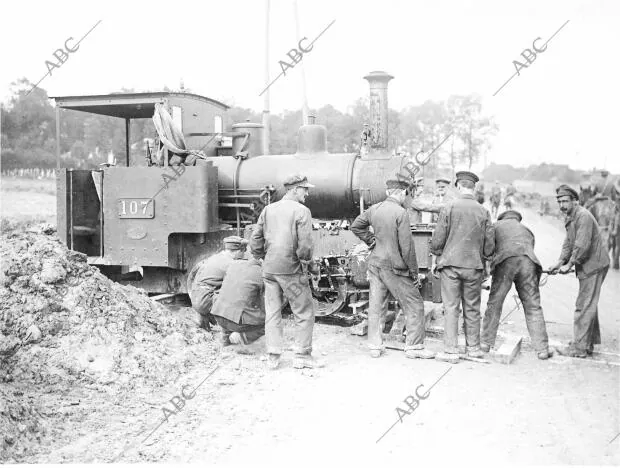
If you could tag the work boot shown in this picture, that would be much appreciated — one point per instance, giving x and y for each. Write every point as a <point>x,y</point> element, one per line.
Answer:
<point>273,361</point>
<point>475,353</point>
<point>307,360</point>
<point>485,348</point>
<point>375,353</point>
<point>571,351</point>
<point>447,357</point>
<point>546,354</point>
<point>419,353</point>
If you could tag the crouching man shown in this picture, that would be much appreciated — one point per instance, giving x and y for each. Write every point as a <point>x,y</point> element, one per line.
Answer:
<point>210,276</point>
<point>515,262</point>
<point>240,306</point>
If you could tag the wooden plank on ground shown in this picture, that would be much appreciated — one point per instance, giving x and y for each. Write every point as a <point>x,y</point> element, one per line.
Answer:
<point>508,351</point>
<point>361,329</point>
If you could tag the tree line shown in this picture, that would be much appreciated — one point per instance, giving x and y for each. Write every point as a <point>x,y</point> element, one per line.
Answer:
<point>29,131</point>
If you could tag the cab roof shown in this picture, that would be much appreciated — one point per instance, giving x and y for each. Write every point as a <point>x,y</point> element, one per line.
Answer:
<point>127,105</point>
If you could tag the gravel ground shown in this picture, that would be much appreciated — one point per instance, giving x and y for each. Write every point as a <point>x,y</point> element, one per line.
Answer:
<point>57,406</point>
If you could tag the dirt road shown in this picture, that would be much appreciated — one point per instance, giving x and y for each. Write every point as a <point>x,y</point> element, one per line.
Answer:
<point>536,412</point>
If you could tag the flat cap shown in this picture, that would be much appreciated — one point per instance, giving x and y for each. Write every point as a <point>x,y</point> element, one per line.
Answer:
<point>442,179</point>
<point>234,242</point>
<point>466,175</point>
<point>396,184</point>
<point>297,180</point>
<point>510,214</point>
<point>566,191</point>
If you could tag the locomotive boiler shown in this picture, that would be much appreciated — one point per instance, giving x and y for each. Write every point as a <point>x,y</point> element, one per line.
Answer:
<point>152,221</point>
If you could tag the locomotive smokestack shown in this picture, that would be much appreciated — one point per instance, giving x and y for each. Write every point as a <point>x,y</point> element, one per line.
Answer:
<point>378,81</point>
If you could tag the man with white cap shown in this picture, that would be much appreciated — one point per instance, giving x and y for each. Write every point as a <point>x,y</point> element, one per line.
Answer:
<point>283,237</point>
<point>440,198</point>
<point>210,275</point>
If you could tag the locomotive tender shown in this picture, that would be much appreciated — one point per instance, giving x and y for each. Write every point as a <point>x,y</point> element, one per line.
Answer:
<point>150,222</point>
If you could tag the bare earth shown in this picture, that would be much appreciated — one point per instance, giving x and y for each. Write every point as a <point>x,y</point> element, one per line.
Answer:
<point>560,411</point>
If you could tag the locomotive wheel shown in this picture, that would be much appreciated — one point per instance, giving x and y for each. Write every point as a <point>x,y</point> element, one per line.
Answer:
<point>331,303</point>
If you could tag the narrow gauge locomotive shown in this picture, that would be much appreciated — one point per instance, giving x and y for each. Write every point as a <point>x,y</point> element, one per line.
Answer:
<point>151,221</point>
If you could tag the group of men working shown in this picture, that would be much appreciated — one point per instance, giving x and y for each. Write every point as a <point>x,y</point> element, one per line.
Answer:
<point>231,289</point>
<point>463,242</point>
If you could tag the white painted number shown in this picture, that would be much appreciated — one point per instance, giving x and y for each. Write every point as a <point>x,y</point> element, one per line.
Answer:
<point>133,207</point>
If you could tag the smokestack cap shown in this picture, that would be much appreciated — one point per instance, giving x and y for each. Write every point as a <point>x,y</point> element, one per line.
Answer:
<point>378,76</point>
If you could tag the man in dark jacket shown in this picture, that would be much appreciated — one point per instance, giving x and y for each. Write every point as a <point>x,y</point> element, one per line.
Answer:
<point>515,262</point>
<point>283,237</point>
<point>210,275</point>
<point>393,269</point>
<point>240,305</point>
<point>462,240</point>
<point>583,248</point>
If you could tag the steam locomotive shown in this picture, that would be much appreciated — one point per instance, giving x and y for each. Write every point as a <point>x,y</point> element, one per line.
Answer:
<point>150,222</point>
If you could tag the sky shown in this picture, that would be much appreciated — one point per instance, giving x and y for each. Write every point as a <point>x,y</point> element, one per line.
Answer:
<point>562,108</point>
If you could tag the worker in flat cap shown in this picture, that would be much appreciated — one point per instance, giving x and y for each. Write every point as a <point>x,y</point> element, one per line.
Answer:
<point>392,269</point>
<point>209,275</point>
<point>462,241</point>
<point>283,238</point>
<point>514,261</point>
<point>240,305</point>
<point>584,249</point>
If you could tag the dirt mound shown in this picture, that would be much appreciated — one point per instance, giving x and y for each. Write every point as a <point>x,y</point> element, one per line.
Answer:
<point>62,323</point>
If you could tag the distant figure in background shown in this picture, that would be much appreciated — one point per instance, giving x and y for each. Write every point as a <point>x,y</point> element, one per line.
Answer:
<point>440,198</point>
<point>544,207</point>
<point>515,262</point>
<point>240,305</point>
<point>584,249</point>
<point>496,199</point>
<point>210,276</point>
<point>509,199</point>
<point>480,193</point>
<point>586,189</point>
